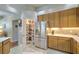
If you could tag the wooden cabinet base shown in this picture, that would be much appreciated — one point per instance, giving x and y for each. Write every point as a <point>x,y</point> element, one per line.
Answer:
<point>60,43</point>
<point>77,48</point>
<point>52,42</point>
<point>0,48</point>
<point>6,46</point>
<point>64,44</point>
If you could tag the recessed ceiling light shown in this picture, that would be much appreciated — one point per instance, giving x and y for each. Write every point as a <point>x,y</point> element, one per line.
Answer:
<point>1,27</point>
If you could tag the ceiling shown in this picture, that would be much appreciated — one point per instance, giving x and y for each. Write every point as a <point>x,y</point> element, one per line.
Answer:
<point>19,8</point>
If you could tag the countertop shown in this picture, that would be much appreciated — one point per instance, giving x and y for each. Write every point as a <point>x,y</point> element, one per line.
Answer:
<point>75,37</point>
<point>4,38</point>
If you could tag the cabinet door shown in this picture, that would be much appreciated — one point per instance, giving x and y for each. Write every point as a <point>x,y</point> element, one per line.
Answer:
<point>61,41</point>
<point>72,20</point>
<point>64,44</point>
<point>77,16</point>
<point>56,20</point>
<point>0,48</point>
<point>71,11</point>
<point>51,19</point>
<point>6,47</point>
<point>49,41</point>
<point>40,18</point>
<point>68,18</point>
<point>52,42</point>
<point>77,48</point>
<point>77,20</point>
<point>63,19</point>
<point>67,45</point>
<point>73,46</point>
<point>72,17</point>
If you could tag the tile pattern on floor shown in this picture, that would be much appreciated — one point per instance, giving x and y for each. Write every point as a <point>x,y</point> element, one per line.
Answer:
<point>29,49</point>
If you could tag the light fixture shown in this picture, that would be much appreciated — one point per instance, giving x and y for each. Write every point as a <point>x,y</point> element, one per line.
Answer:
<point>1,27</point>
<point>11,9</point>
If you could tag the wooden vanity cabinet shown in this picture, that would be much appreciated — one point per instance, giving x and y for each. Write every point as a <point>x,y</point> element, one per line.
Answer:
<point>0,48</point>
<point>6,46</point>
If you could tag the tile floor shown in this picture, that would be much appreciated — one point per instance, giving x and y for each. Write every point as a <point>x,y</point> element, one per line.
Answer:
<point>29,49</point>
